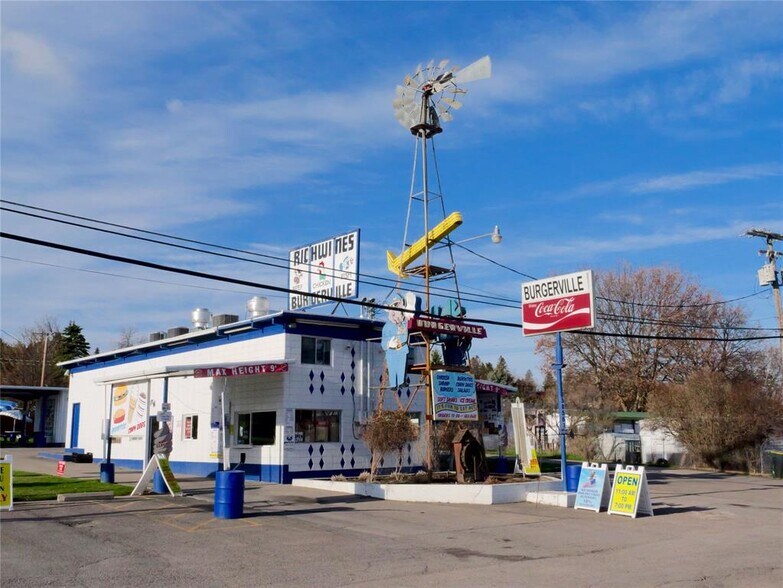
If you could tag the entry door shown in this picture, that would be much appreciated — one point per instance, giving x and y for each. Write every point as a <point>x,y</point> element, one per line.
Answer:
<point>152,427</point>
<point>77,407</point>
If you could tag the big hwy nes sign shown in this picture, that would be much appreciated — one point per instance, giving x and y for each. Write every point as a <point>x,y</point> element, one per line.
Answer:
<point>559,303</point>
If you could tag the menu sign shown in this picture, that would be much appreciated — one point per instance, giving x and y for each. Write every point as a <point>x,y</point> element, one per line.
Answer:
<point>129,404</point>
<point>454,397</point>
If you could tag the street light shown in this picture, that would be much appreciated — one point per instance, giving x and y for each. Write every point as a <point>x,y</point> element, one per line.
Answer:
<point>494,235</point>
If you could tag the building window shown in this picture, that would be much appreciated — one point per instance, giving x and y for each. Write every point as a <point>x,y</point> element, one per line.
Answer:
<point>317,426</point>
<point>317,351</point>
<point>190,425</point>
<point>256,428</point>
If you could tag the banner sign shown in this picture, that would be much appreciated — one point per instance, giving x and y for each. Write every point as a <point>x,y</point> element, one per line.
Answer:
<point>240,370</point>
<point>6,483</point>
<point>453,396</point>
<point>487,386</point>
<point>592,491</point>
<point>326,268</point>
<point>630,494</point>
<point>446,326</point>
<point>129,409</point>
<point>560,303</point>
<point>526,452</point>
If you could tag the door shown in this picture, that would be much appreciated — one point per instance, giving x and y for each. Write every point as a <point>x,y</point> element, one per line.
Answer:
<point>77,406</point>
<point>152,427</point>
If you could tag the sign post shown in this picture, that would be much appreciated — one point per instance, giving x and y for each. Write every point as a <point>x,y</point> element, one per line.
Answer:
<point>552,305</point>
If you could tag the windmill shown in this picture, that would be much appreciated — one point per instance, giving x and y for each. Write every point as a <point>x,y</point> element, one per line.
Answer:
<point>425,99</point>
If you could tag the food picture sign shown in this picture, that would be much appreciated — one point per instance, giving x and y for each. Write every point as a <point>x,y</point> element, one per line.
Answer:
<point>129,409</point>
<point>559,303</point>
<point>327,268</point>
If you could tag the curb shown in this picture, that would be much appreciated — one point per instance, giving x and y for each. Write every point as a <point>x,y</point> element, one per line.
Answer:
<point>77,496</point>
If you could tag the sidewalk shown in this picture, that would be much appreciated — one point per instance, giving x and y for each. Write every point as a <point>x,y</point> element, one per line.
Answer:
<point>26,459</point>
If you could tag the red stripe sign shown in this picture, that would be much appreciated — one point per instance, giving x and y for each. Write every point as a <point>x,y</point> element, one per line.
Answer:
<point>240,370</point>
<point>560,303</point>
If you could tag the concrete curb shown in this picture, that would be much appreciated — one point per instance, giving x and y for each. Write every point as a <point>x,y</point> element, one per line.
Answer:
<point>77,496</point>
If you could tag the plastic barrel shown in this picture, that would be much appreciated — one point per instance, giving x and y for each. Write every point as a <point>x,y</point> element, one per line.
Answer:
<point>572,477</point>
<point>107,473</point>
<point>159,484</point>
<point>229,494</point>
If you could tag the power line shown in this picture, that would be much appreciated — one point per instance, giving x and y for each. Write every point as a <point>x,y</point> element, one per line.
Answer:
<point>206,276</point>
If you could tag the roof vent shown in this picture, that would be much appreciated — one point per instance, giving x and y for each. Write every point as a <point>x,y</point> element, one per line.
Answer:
<point>219,320</point>
<point>200,318</point>
<point>176,331</point>
<point>257,306</point>
<point>158,336</point>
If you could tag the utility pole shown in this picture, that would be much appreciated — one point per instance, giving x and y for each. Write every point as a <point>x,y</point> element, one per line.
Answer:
<point>768,275</point>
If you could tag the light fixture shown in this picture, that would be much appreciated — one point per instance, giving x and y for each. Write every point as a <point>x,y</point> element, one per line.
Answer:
<point>494,235</point>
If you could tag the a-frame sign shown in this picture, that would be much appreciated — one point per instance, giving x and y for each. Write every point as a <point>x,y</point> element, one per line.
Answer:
<point>158,462</point>
<point>630,494</point>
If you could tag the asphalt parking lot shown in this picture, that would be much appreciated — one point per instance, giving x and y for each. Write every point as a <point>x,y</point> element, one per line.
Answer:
<point>709,529</point>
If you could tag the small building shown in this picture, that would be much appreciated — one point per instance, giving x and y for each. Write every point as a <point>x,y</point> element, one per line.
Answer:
<point>38,416</point>
<point>634,441</point>
<point>284,394</point>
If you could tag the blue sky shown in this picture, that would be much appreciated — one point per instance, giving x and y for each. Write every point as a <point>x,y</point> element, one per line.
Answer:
<point>609,133</point>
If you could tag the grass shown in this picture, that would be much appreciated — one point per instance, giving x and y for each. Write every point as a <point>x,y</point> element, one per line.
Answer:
<point>30,486</point>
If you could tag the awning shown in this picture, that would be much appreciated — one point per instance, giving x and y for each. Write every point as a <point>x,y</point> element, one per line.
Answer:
<point>494,387</point>
<point>201,370</point>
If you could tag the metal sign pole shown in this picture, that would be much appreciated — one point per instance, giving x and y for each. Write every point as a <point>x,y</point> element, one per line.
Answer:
<point>558,365</point>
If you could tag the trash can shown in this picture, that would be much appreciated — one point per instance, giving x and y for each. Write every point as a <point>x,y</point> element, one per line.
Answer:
<point>572,477</point>
<point>229,494</point>
<point>159,484</point>
<point>107,473</point>
<point>777,464</point>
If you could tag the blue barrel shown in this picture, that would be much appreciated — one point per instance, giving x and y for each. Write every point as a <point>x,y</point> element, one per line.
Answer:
<point>229,494</point>
<point>107,473</point>
<point>572,477</point>
<point>159,484</point>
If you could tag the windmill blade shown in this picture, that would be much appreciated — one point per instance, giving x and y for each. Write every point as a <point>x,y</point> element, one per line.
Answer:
<point>447,116</point>
<point>455,104</point>
<point>442,65</point>
<point>478,70</point>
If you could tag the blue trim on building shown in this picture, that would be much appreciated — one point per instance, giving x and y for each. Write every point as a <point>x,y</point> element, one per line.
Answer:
<point>348,328</point>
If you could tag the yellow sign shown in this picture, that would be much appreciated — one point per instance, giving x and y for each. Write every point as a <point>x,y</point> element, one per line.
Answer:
<point>533,469</point>
<point>6,484</point>
<point>168,475</point>
<point>398,264</point>
<point>630,494</point>
<point>625,493</point>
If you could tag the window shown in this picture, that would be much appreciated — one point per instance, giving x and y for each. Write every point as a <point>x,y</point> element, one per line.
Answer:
<point>256,428</point>
<point>317,351</point>
<point>190,425</point>
<point>317,426</point>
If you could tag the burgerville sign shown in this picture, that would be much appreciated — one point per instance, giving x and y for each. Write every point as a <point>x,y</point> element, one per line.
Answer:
<point>559,303</point>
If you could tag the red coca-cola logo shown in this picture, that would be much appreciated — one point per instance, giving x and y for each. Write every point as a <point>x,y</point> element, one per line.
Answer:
<point>554,308</point>
<point>557,314</point>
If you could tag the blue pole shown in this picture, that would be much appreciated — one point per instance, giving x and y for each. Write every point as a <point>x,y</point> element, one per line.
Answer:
<point>558,365</point>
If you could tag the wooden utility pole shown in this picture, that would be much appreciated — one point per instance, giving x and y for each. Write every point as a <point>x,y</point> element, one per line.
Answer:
<point>768,275</point>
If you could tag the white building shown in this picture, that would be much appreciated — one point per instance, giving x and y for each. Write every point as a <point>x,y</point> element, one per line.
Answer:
<point>284,393</point>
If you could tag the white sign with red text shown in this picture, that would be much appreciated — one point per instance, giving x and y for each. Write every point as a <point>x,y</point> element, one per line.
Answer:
<point>559,303</point>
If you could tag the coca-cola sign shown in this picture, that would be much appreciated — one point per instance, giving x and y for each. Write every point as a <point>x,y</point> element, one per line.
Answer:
<point>560,303</point>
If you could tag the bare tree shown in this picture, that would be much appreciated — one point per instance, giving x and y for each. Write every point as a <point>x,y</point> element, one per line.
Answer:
<point>657,318</point>
<point>129,337</point>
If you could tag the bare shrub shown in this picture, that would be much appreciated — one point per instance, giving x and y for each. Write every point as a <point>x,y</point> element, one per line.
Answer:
<point>386,431</point>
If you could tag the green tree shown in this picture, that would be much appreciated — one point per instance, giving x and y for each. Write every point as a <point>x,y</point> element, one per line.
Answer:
<point>501,374</point>
<point>72,343</point>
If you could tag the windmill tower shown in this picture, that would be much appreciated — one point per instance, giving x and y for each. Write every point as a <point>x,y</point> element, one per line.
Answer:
<point>423,101</point>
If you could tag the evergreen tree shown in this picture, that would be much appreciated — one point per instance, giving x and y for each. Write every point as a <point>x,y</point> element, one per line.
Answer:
<point>72,343</point>
<point>501,374</point>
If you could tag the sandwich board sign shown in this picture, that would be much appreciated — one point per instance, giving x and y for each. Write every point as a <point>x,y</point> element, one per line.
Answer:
<point>6,483</point>
<point>630,494</point>
<point>158,462</point>
<point>592,491</point>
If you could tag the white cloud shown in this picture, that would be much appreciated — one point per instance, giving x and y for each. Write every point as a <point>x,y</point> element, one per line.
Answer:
<point>30,55</point>
<point>695,179</point>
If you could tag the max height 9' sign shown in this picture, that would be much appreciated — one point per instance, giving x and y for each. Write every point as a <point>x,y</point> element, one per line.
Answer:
<point>560,303</point>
